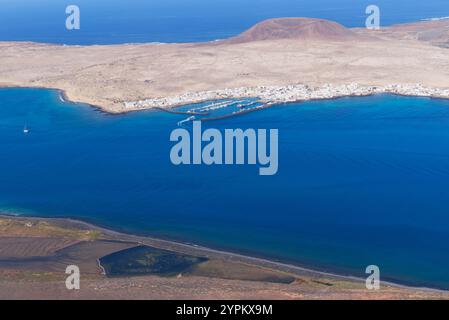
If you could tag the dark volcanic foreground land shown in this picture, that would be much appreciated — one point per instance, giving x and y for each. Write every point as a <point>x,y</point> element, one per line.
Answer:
<point>35,252</point>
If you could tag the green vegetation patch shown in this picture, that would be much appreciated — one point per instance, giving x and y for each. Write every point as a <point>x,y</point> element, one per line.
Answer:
<point>144,260</point>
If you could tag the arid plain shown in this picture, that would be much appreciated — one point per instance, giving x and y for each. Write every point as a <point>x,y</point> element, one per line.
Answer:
<point>277,52</point>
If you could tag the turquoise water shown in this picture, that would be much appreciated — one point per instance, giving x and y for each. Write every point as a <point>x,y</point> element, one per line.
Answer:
<point>361,180</point>
<point>114,21</point>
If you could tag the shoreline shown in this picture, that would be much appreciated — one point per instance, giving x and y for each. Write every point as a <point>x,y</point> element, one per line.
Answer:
<point>275,95</point>
<point>250,258</point>
<point>306,93</point>
<point>200,250</point>
<point>63,97</point>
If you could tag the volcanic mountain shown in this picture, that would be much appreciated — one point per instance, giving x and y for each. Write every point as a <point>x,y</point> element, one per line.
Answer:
<point>295,28</point>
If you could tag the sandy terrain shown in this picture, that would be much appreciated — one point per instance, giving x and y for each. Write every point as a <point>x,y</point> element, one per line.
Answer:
<point>274,53</point>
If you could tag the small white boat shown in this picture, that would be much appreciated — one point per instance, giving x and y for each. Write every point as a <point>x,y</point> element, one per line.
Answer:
<point>26,130</point>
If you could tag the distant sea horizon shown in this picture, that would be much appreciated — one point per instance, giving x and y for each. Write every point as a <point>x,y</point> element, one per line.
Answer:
<point>137,21</point>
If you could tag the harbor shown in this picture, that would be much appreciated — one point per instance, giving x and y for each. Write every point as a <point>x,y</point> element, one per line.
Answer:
<point>283,94</point>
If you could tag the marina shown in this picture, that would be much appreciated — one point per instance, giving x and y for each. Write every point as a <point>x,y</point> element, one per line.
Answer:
<point>284,94</point>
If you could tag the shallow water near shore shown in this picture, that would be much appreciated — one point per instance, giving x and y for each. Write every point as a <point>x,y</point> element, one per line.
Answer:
<point>361,181</point>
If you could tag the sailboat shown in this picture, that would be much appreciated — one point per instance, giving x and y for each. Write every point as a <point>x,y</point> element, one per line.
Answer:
<point>25,130</point>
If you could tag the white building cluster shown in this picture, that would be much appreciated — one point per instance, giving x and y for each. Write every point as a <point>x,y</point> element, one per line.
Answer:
<point>290,93</point>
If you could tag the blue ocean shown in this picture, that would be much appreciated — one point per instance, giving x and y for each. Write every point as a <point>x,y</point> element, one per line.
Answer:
<point>115,21</point>
<point>361,181</point>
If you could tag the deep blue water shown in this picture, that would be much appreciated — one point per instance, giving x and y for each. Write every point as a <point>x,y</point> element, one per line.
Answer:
<point>114,21</point>
<point>361,180</point>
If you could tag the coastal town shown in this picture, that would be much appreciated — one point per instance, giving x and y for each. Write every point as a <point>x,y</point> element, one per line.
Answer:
<point>270,95</point>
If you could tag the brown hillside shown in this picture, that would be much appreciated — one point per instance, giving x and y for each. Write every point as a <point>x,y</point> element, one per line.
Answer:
<point>295,28</point>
